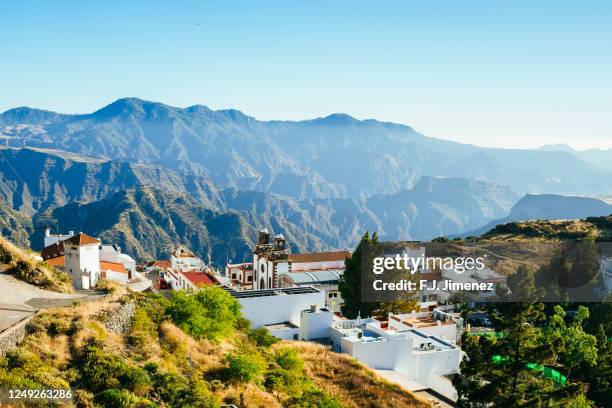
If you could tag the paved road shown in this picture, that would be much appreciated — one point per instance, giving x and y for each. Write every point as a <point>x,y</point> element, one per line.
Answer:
<point>19,300</point>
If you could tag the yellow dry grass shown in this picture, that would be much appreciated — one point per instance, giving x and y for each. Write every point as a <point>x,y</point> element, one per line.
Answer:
<point>41,273</point>
<point>352,382</point>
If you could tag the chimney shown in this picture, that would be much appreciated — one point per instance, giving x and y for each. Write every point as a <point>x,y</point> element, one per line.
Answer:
<point>71,233</point>
<point>47,232</point>
<point>313,308</point>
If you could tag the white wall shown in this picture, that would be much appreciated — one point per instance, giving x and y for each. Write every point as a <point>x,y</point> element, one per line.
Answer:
<point>286,333</point>
<point>315,325</point>
<point>279,308</point>
<point>81,261</point>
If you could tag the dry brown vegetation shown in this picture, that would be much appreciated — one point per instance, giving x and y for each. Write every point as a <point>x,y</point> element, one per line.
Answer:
<point>357,385</point>
<point>57,339</point>
<point>25,267</point>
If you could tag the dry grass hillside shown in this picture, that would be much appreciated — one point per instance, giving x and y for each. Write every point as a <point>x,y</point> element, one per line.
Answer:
<point>151,362</point>
<point>22,265</point>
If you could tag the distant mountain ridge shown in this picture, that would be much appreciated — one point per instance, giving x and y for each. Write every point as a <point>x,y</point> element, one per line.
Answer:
<point>333,157</point>
<point>601,158</point>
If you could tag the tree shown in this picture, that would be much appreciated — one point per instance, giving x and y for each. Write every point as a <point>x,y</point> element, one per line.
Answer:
<point>578,347</point>
<point>210,313</point>
<point>350,286</point>
<point>496,370</point>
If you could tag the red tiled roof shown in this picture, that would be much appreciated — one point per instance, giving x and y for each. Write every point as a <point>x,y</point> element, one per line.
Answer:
<point>162,263</point>
<point>320,256</point>
<point>82,239</point>
<point>57,262</point>
<point>112,266</point>
<point>199,279</point>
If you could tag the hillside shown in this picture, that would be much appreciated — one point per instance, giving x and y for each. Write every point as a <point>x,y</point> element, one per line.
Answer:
<point>20,264</point>
<point>549,207</point>
<point>33,180</point>
<point>15,227</point>
<point>335,156</point>
<point>128,351</point>
<point>148,223</point>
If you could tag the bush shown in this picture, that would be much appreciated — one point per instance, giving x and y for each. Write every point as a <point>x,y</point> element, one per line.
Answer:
<point>175,390</point>
<point>246,365</point>
<point>115,398</point>
<point>288,359</point>
<point>210,313</point>
<point>280,380</point>
<point>102,371</point>
<point>262,337</point>
<point>314,398</point>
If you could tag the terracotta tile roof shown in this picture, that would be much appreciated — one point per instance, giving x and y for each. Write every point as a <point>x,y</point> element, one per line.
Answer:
<point>199,279</point>
<point>52,251</point>
<point>57,262</point>
<point>82,239</point>
<point>162,263</point>
<point>320,256</point>
<point>112,266</point>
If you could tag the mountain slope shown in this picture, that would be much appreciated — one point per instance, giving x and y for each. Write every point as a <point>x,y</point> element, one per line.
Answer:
<point>440,206</point>
<point>147,222</point>
<point>34,180</point>
<point>15,227</point>
<point>549,207</point>
<point>329,157</point>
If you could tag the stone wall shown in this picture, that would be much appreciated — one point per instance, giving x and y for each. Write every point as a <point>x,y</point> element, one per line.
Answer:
<point>11,337</point>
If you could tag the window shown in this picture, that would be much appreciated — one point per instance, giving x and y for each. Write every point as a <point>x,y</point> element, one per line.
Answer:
<point>249,279</point>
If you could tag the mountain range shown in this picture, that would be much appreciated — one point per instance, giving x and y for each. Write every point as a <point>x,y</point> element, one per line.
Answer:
<point>142,174</point>
<point>332,157</point>
<point>60,188</point>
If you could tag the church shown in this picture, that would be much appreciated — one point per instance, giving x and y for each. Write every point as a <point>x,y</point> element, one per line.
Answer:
<point>275,267</point>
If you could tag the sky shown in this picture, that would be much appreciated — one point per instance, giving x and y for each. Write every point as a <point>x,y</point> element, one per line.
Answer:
<point>492,73</point>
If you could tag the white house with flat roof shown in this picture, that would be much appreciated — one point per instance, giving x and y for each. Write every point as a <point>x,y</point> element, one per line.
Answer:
<point>424,359</point>
<point>273,306</point>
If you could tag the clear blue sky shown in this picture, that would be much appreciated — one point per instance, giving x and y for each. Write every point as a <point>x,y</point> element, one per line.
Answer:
<point>496,73</point>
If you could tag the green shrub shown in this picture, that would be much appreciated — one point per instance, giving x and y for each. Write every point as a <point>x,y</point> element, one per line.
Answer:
<point>175,390</point>
<point>314,398</point>
<point>262,337</point>
<point>102,370</point>
<point>281,380</point>
<point>246,365</point>
<point>116,398</point>
<point>288,359</point>
<point>210,313</point>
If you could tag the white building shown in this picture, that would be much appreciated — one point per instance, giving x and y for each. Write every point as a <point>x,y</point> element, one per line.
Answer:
<point>82,260</point>
<point>87,261</point>
<point>112,253</point>
<point>182,259</point>
<point>274,267</point>
<point>279,310</point>
<point>51,239</point>
<point>240,275</point>
<point>425,360</point>
<point>187,280</point>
